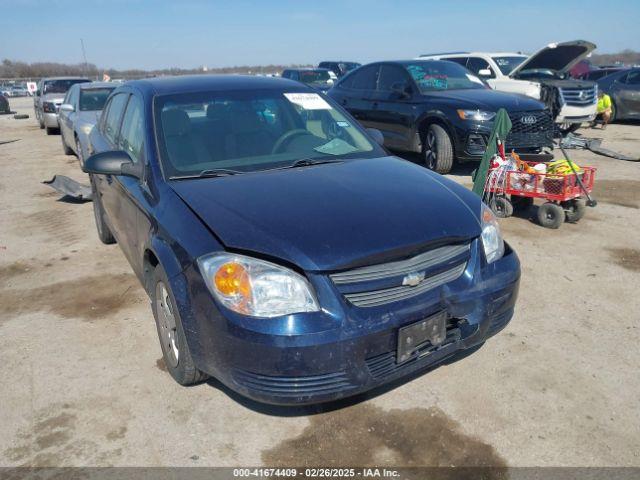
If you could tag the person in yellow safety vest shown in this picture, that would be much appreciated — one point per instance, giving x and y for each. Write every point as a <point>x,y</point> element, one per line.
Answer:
<point>604,109</point>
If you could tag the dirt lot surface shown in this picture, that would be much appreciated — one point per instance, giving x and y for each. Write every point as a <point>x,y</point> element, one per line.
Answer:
<point>83,382</point>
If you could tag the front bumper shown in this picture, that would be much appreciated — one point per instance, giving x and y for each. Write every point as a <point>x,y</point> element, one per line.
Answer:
<point>574,114</point>
<point>50,120</point>
<point>343,350</point>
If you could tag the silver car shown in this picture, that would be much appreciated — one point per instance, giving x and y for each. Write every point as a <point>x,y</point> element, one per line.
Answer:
<point>48,99</point>
<point>79,112</point>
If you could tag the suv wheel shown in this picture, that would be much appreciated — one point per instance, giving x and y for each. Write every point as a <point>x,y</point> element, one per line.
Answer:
<point>437,149</point>
<point>40,120</point>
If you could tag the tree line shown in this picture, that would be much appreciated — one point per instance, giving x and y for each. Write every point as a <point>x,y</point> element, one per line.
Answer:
<point>17,69</point>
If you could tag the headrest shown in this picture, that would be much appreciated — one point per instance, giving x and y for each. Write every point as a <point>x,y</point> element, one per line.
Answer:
<point>244,118</point>
<point>175,122</point>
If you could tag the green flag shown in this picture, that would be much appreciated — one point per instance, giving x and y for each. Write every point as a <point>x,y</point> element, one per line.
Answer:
<point>501,128</point>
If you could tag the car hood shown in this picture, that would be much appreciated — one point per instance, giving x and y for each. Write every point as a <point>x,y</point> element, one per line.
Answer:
<point>334,216</point>
<point>486,99</point>
<point>559,57</point>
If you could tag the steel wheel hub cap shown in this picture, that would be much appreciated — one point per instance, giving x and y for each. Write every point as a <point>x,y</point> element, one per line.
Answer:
<point>167,324</point>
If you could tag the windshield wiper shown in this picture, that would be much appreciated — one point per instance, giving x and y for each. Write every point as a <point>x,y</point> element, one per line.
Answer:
<point>307,162</point>
<point>214,172</point>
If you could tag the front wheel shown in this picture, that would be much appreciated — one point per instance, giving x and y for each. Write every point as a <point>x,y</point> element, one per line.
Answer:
<point>65,147</point>
<point>550,215</point>
<point>175,350</point>
<point>438,149</point>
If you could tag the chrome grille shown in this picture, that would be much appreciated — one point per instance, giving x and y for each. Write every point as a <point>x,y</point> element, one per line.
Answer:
<point>530,129</point>
<point>403,267</point>
<point>434,268</point>
<point>579,97</point>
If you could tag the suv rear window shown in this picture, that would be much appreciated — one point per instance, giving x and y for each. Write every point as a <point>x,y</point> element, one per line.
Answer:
<point>61,86</point>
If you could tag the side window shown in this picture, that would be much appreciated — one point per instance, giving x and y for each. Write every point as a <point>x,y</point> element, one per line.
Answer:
<point>73,95</point>
<point>294,76</point>
<point>633,78</point>
<point>475,64</point>
<point>112,122</point>
<point>389,75</point>
<point>366,78</point>
<point>285,74</point>
<point>459,60</point>
<point>131,138</point>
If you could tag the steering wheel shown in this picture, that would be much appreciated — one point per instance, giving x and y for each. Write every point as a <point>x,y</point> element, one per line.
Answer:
<point>287,136</point>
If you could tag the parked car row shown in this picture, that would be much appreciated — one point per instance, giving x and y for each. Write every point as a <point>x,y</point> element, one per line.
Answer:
<point>48,98</point>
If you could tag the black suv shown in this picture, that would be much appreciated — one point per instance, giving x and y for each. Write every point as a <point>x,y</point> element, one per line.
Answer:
<point>340,68</point>
<point>440,109</point>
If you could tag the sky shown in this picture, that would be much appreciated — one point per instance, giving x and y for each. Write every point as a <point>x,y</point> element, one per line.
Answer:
<point>151,34</point>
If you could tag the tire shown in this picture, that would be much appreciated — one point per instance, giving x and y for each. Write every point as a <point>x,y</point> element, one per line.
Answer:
<point>437,149</point>
<point>20,116</point>
<point>52,131</point>
<point>502,207</point>
<point>574,209</point>
<point>175,350</point>
<point>104,233</point>
<point>40,121</point>
<point>521,204</point>
<point>65,147</point>
<point>550,215</point>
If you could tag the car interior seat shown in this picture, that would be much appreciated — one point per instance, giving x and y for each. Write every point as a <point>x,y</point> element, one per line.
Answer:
<point>248,136</point>
<point>184,148</point>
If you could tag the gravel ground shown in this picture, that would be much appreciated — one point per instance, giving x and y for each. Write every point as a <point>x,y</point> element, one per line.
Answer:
<point>83,382</point>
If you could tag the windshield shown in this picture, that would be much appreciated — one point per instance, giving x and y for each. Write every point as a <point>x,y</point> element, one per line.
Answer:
<point>60,86</point>
<point>507,64</point>
<point>247,131</point>
<point>439,75</point>
<point>94,99</point>
<point>314,76</point>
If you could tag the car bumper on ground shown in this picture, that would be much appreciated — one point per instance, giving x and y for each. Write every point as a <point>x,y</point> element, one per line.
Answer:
<point>345,350</point>
<point>50,120</point>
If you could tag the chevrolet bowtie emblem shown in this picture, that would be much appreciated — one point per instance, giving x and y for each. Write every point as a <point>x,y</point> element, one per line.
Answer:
<point>413,279</point>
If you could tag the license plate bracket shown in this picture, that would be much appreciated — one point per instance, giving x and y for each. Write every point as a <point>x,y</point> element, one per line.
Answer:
<point>416,336</point>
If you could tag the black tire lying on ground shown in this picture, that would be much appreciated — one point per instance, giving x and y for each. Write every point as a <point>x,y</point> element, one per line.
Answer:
<point>20,116</point>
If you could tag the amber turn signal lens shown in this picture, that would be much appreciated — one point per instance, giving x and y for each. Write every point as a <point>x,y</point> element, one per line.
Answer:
<point>233,279</point>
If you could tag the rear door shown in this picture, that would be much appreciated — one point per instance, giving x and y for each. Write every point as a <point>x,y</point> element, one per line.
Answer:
<point>108,140</point>
<point>391,112</point>
<point>357,93</point>
<point>126,194</point>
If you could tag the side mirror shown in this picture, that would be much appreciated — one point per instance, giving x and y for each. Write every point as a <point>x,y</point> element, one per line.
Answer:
<point>114,162</point>
<point>67,107</point>
<point>485,72</point>
<point>376,135</point>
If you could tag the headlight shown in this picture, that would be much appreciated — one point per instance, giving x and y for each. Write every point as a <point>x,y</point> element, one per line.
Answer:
<point>254,287</point>
<point>491,237</point>
<point>478,115</point>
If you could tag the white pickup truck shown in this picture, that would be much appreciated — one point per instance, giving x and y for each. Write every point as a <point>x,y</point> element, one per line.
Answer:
<point>543,75</point>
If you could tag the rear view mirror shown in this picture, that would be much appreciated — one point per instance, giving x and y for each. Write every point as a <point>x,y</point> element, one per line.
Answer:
<point>114,162</point>
<point>67,107</point>
<point>376,135</point>
<point>485,72</point>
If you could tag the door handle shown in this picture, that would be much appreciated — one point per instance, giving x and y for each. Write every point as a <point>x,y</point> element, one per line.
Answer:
<point>344,101</point>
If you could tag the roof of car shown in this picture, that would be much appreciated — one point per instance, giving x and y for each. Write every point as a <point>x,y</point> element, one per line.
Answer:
<point>92,85</point>
<point>199,83</point>
<point>468,54</point>
<point>309,69</point>
<point>46,79</point>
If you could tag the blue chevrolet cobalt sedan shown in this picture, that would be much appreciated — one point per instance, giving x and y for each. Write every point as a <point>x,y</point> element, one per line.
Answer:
<point>284,251</point>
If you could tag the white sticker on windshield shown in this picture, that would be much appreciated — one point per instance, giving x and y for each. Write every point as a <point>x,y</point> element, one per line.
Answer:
<point>308,101</point>
<point>473,78</point>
